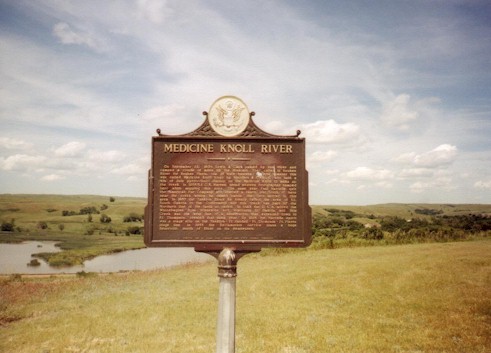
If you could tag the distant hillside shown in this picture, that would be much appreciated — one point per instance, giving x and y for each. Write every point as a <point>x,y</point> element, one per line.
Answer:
<point>29,210</point>
<point>410,210</point>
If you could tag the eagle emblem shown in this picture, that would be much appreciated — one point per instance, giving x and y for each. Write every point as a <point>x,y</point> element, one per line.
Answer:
<point>229,116</point>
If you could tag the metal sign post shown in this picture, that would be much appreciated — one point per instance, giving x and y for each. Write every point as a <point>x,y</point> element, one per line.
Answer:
<point>227,189</point>
<point>227,272</point>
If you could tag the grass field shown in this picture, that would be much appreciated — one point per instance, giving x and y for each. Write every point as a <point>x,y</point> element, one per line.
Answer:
<point>28,210</point>
<point>407,298</point>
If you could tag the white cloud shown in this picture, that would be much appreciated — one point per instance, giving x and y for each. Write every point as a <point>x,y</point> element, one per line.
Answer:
<point>483,184</point>
<point>11,144</point>
<point>397,113</point>
<point>435,183</point>
<point>321,156</point>
<point>164,112</point>
<point>106,156</point>
<point>274,127</point>
<point>416,172</point>
<point>130,169</point>
<point>67,35</point>
<point>385,184</point>
<point>22,162</point>
<point>331,132</point>
<point>153,10</point>
<point>52,177</point>
<point>71,149</point>
<point>442,155</point>
<point>365,173</point>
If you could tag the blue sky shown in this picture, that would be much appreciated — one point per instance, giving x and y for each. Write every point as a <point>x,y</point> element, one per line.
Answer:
<point>393,97</point>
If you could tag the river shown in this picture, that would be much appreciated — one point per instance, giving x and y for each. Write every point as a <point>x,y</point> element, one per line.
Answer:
<point>15,257</point>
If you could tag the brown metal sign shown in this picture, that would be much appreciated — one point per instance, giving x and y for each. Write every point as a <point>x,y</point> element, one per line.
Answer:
<point>228,184</point>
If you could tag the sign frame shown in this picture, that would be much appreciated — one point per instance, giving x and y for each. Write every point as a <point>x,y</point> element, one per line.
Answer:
<point>204,151</point>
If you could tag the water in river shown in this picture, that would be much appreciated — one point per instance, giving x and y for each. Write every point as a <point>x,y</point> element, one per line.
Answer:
<point>15,257</point>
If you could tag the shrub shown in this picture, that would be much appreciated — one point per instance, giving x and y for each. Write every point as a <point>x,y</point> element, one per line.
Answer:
<point>15,277</point>
<point>89,210</point>
<point>104,207</point>
<point>134,230</point>
<point>42,225</point>
<point>90,230</point>
<point>61,226</point>
<point>133,217</point>
<point>373,233</point>
<point>112,199</point>
<point>34,262</point>
<point>8,226</point>
<point>83,274</point>
<point>105,218</point>
<point>65,213</point>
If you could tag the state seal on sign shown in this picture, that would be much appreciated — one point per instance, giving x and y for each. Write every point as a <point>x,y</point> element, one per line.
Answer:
<point>228,116</point>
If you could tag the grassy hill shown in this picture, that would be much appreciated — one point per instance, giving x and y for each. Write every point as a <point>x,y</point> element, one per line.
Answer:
<point>29,210</point>
<point>81,236</point>
<point>408,298</point>
<point>411,210</point>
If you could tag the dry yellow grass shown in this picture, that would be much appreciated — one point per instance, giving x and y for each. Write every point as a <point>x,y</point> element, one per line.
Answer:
<point>411,298</point>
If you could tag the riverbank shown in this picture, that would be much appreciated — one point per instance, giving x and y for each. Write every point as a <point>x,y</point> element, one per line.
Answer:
<point>421,297</point>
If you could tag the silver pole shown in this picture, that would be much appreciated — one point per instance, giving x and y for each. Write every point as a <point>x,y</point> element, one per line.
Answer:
<point>227,272</point>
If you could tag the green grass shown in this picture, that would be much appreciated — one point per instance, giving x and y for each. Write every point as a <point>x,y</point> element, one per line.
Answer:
<point>408,298</point>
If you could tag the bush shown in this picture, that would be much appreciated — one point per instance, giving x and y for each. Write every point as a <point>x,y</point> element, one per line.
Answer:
<point>133,217</point>
<point>34,263</point>
<point>373,234</point>
<point>8,226</point>
<point>83,274</point>
<point>65,213</point>
<point>42,225</point>
<point>135,230</point>
<point>105,218</point>
<point>104,207</point>
<point>89,210</point>
<point>112,199</point>
<point>61,226</point>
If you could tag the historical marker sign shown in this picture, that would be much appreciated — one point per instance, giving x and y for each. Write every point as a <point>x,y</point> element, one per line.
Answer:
<point>228,184</point>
